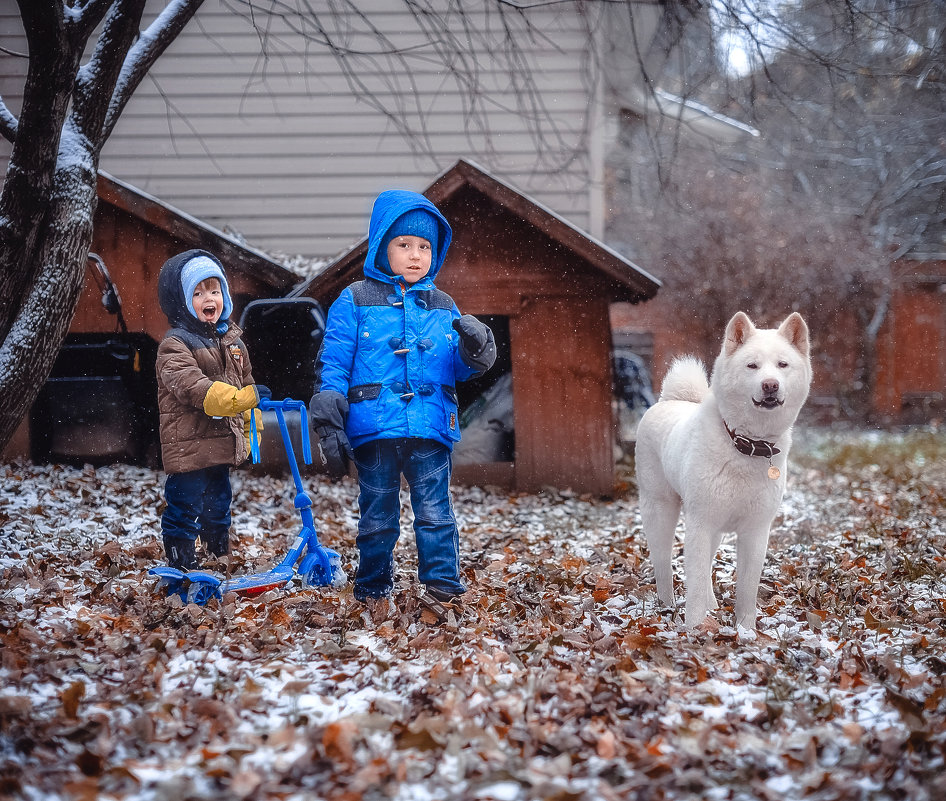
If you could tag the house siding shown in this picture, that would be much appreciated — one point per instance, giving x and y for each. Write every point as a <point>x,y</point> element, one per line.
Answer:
<point>282,150</point>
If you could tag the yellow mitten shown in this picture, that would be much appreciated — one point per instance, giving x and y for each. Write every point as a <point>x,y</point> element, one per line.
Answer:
<point>225,400</point>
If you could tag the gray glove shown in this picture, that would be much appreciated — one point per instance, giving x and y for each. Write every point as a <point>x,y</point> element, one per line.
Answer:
<point>477,345</point>
<point>327,412</point>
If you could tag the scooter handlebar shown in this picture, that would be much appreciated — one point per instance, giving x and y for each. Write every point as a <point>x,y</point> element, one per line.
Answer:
<point>279,406</point>
<point>287,404</point>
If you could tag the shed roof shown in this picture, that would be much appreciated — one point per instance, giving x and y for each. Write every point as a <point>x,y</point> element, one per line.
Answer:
<point>633,284</point>
<point>191,232</point>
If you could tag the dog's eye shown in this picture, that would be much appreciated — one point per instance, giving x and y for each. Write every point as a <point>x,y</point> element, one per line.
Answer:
<point>752,366</point>
<point>782,365</point>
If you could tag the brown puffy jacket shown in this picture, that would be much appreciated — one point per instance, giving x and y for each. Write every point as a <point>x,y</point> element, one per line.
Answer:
<point>187,366</point>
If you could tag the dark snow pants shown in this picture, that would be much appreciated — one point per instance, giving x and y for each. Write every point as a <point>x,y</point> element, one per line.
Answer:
<point>198,504</point>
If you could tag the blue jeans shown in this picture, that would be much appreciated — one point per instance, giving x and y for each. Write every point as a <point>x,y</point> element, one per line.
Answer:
<point>427,465</point>
<point>198,503</point>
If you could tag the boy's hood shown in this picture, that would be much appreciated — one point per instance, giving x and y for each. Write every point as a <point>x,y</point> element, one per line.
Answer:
<point>387,208</point>
<point>171,293</point>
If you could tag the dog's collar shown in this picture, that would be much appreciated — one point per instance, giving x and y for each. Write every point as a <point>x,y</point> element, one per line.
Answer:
<point>752,447</point>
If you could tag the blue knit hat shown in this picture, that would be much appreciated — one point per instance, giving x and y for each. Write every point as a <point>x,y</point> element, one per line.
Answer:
<point>416,222</point>
<point>198,269</point>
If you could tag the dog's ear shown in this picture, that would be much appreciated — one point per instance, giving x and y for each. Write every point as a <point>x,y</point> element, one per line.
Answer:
<point>738,330</point>
<point>795,330</point>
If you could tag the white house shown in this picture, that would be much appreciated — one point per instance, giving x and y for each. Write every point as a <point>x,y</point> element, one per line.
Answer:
<point>250,123</point>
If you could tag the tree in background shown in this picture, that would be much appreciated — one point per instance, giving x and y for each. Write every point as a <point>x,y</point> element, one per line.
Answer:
<point>729,240</point>
<point>848,173</point>
<point>49,194</point>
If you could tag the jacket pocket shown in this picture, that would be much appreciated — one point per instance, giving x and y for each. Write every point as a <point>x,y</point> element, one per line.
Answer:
<point>451,413</point>
<point>364,392</point>
<point>363,413</point>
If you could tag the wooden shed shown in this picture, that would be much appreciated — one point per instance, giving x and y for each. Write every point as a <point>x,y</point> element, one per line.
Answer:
<point>135,233</point>
<point>545,288</point>
<point>98,404</point>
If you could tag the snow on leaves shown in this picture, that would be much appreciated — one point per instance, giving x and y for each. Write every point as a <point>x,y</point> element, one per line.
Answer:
<point>560,678</point>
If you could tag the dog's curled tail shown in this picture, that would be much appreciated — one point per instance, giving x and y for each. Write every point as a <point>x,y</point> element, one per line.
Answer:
<point>686,380</point>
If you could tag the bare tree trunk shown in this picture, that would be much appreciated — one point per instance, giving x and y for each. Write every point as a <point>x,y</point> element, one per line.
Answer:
<point>30,172</point>
<point>50,192</point>
<point>867,368</point>
<point>45,314</point>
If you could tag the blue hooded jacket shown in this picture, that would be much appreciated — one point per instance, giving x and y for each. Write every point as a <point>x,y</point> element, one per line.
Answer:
<point>389,347</point>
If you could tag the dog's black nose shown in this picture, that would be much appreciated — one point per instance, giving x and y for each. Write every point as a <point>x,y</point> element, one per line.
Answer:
<point>770,386</point>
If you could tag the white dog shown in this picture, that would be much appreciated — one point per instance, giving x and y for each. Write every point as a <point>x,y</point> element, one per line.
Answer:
<point>719,450</point>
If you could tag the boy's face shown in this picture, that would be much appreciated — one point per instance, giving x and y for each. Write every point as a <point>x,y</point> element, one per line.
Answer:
<point>409,257</point>
<point>208,300</point>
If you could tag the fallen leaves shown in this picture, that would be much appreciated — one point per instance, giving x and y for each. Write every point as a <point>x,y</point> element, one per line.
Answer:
<point>560,678</point>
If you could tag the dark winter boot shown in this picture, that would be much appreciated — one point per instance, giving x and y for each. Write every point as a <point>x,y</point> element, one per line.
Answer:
<point>217,543</point>
<point>180,553</point>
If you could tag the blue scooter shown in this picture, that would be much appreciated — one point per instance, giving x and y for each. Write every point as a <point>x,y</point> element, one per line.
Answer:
<point>320,566</point>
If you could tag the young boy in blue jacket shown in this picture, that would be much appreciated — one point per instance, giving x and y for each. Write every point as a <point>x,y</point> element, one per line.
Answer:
<point>394,348</point>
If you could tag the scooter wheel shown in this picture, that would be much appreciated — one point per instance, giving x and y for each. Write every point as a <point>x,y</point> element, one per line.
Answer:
<point>315,577</point>
<point>339,576</point>
<point>171,587</point>
<point>315,573</point>
<point>200,593</point>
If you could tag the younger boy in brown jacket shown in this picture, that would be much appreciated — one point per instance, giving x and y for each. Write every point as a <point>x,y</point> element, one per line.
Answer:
<point>205,396</point>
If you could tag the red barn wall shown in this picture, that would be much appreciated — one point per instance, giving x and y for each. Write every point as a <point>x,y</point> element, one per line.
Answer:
<point>910,359</point>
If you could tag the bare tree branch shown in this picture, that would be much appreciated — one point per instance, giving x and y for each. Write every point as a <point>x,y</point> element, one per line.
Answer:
<point>8,123</point>
<point>84,17</point>
<point>465,48</point>
<point>95,82</point>
<point>149,47</point>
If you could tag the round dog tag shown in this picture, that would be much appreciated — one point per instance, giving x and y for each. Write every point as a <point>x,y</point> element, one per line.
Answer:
<point>773,472</point>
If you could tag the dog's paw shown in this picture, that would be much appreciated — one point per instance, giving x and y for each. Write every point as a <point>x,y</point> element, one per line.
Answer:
<point>671,610</point>
<point>708,626</point>
<point>746,635</point>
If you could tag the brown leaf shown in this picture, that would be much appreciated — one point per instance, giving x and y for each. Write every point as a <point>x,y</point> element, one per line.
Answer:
<point>70,698</point>
<point>111,552</point>
<point>607,745</point>
<point>911,711</point>
<point>245,782</point>
<point>14,706</point>
<point>338,740</point>
<point>91,764</point>
<point>815,621</point>
<point>279,617</point>
<point>386,631</point>
<point>848,680</point>
<point>82,789</point>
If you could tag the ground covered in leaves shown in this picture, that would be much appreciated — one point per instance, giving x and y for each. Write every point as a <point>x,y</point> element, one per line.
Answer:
<point>560,678</point>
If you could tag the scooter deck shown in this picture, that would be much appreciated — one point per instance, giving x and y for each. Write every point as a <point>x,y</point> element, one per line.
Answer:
<point>207,585</point>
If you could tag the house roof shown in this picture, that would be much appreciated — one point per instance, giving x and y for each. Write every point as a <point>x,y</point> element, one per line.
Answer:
<point>191,232</point>
<point>637,283</point>
<point>696,116</point>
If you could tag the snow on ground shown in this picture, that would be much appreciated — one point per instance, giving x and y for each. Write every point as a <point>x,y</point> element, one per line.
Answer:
<point>561,678</point>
